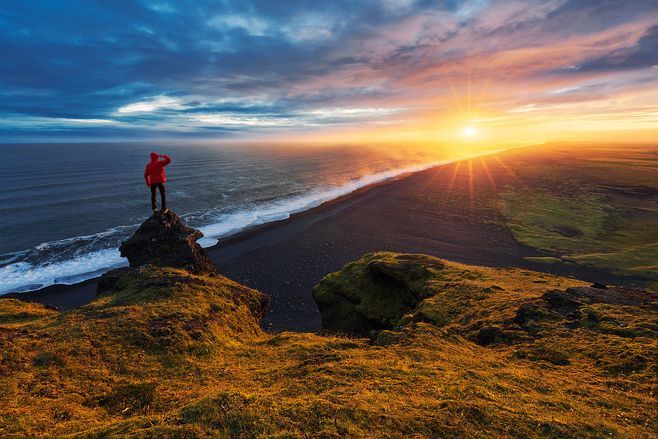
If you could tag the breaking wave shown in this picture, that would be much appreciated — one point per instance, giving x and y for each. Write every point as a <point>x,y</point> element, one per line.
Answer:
<point>76,259</point>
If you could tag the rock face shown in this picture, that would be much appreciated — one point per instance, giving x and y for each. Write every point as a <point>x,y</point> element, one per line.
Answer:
<point>165,241</point>
<point>373,293</point>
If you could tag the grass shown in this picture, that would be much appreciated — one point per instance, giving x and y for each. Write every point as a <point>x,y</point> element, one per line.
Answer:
<point>593,206</point>
<point>479,354</point>
<point>15,312</point>
<point>640,261</point>
<point>555,223</point>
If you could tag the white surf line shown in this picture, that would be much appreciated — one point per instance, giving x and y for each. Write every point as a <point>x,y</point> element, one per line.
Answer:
<point>24,276</point>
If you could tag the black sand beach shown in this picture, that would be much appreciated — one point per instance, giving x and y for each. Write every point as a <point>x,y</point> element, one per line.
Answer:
<point>448,211</point>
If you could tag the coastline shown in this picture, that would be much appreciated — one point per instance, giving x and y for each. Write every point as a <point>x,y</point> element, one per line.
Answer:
<point>67,296</point>
<point>447,211</point>
<point>26,277</point>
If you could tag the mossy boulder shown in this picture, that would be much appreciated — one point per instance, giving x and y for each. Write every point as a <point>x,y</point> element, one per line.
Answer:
<point>375,292</point>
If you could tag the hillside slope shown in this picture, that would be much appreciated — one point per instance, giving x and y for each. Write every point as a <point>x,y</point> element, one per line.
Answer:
<point>465,350</point>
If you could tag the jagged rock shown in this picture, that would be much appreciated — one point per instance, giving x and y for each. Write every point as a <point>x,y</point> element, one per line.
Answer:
<point>529,312</point>
<point>564,302</point>
<point>164,240</point>
<point>570,307</point>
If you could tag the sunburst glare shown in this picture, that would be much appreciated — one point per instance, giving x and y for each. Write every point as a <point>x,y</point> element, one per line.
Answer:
<point>469,131</point>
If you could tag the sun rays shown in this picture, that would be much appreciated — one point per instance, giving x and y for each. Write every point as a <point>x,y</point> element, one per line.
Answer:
<point>466,110</point>
<point>455,171</point>
<point>469,99</point>
<point>509,171</point>
<point>471,194</point>
<point>475,131</point>
<point>466,180</point>
<point>484,168</point>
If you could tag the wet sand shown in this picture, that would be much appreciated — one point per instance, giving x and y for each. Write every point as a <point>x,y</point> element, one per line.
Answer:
<point>448,211</point>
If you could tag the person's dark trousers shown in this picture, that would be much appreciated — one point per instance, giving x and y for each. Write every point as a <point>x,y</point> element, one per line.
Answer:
<point>163,196</point>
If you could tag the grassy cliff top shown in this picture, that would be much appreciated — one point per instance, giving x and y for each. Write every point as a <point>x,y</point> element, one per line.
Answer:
<point>465,351</point>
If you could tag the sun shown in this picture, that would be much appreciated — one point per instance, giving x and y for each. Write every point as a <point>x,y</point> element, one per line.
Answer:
<point>469,131</point>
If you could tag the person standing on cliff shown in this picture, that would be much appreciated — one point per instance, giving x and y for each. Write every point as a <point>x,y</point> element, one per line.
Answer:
<point>155,177</point>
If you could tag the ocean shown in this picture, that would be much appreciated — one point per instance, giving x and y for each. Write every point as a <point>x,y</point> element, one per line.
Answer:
<point>65,208</point>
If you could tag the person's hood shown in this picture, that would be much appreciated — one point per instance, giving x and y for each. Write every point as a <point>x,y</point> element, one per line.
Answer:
<point>154,156</point>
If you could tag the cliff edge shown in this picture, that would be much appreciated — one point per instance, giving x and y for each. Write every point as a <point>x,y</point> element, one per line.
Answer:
<point>433,349</point>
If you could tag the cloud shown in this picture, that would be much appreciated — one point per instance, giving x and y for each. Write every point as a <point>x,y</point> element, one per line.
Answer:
<point>187,67</point>
<point>153,104</point>
<point>398,6</point>
<point>242,120</point>
<point>252,25</point>
<point>310,28</point>
<point>643,54</point>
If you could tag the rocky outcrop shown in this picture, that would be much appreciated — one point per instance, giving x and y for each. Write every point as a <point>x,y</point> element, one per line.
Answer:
<point>165,241</point>
<point>373,293</point>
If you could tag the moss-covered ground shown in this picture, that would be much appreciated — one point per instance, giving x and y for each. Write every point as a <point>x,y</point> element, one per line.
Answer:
<point>591,205</point>
<point>169,354</point>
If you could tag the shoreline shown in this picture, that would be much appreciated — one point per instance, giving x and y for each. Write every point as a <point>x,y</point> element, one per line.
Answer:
<point>447,211</point>
<point>249,232</point>
<point>255,226</point>
<point>56,289</point>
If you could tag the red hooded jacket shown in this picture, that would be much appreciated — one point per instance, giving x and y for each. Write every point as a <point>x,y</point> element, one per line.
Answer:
<point>154,172</point>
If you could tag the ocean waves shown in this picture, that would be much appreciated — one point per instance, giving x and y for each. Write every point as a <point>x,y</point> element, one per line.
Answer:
<point>79,258</point>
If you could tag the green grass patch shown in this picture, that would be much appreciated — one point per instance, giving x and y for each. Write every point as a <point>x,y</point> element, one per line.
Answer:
<point>641,261</point>
<point>556,223</point>
<point>592,207</point>
<point>583,230</point>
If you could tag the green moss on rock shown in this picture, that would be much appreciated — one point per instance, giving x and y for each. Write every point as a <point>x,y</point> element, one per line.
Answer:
<point>374,292</point>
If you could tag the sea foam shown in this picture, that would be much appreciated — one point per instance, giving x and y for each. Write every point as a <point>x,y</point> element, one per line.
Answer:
<point>23,276</point>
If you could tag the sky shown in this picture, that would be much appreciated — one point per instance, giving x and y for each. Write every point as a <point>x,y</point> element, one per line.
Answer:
<point>495,72</point>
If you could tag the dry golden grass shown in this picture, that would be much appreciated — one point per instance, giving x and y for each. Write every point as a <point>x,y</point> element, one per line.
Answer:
<point>168,354</point>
